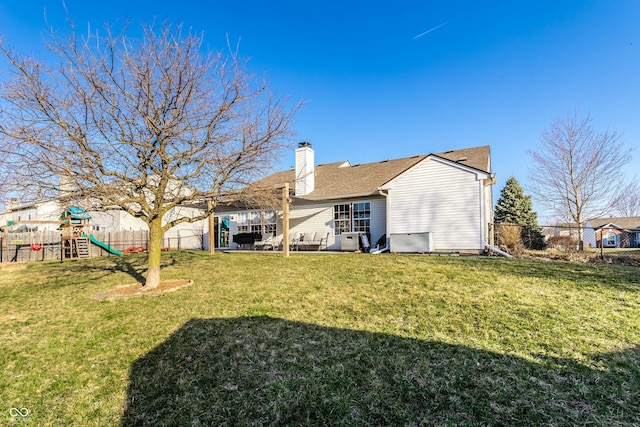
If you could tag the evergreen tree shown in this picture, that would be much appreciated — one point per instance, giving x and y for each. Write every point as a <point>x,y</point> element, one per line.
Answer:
<point>515,207</point>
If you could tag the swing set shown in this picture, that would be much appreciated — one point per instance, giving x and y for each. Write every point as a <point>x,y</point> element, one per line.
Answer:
<point>19,243</point>
<point>73,228</point>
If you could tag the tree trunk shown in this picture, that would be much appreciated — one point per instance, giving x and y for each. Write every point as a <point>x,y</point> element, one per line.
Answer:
<point>155,250</point>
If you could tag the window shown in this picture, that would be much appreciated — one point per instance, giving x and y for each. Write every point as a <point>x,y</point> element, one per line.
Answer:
<point>262,222</point>
<point>243,222</point>
<point>350,217</point>
<point>341,219</point>
<point>269,224</point>
<point>610,239</point>
<point>362,217</point>
<point>255,219</point>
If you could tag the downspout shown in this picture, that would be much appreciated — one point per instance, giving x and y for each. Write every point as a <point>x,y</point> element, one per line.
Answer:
<point>487,208</point>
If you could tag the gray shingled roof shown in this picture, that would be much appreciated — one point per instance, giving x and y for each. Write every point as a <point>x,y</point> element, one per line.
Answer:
<point>627,223</point>
<point>338,180</point>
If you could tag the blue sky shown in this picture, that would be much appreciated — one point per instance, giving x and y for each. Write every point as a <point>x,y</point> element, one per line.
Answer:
<point>382,80</point>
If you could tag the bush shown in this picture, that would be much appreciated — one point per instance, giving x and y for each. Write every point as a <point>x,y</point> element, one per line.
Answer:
<point>518,237</point>
<point>562,242</point>
<point>509,236</point>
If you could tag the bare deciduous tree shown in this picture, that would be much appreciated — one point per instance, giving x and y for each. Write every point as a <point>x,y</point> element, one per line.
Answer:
<point>628,204</point>
<point>577,170</point>
<point>144,124</point>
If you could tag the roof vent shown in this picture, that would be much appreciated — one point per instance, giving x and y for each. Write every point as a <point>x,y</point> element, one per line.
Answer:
<point>462,159</point>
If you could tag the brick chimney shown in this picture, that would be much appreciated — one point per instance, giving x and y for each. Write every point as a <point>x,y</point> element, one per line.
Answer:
<point>304,169</point>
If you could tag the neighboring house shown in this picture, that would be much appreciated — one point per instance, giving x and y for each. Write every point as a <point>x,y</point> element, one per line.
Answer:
<point>573,230</point>
<point>425,203</point>
<point>45,211</point>
<point>110,221</point>
<point>620,232</point>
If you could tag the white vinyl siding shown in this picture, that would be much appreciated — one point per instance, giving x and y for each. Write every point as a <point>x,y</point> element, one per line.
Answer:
<point>319,218</point>
<point>309,219</point>
<point>378,219</point>
<point>441,198</point>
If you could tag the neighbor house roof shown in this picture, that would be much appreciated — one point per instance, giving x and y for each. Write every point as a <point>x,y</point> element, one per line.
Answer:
<point>627,223</point>
<point>341,179</point>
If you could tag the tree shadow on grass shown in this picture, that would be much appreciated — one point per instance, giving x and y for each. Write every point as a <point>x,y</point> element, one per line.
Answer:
<point>97,268</point>
<point>266,371</point>
<point>134,268</point>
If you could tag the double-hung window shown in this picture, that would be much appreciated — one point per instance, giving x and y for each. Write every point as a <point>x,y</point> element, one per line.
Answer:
<point>610,239</point>
<point>342,218</point>
<point>243,222</point>
<point>269,223</point>
<point>255,219</point>
<point>262,222</point>
<point>352,217</point>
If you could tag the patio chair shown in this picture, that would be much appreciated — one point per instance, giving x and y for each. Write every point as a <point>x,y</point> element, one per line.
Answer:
<point>264,245</point>
<point>324,241</point>
<point>277,244</point>
<point>294,241</point>
<point>306,240</point>
<point>315,242</point>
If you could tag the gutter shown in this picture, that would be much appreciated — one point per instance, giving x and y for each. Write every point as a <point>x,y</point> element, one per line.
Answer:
<point>377,192</point>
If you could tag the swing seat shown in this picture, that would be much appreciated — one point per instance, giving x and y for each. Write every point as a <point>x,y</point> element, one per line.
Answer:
<point>35,247</point>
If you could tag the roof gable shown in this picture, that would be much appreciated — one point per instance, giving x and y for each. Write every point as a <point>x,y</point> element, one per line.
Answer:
<point>478,158</point>
<point>626,223</point>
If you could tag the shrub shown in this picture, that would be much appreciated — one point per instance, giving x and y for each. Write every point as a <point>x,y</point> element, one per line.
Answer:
<point>509,235</point>
<point>562,242</point>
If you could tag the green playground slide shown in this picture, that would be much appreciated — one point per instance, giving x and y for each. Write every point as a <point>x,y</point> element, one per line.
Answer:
<point>103,245</point>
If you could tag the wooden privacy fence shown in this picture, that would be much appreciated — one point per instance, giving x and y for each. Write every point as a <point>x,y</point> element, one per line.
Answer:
<point>119,240</point>
<point>184,240</point>
<point>30,246</point>
<point>45,245</point>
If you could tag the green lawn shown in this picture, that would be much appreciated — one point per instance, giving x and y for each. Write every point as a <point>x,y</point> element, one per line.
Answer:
<point>353,339</point>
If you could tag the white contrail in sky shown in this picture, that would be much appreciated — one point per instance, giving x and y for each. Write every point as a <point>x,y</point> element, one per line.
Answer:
<point>431,29</point>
